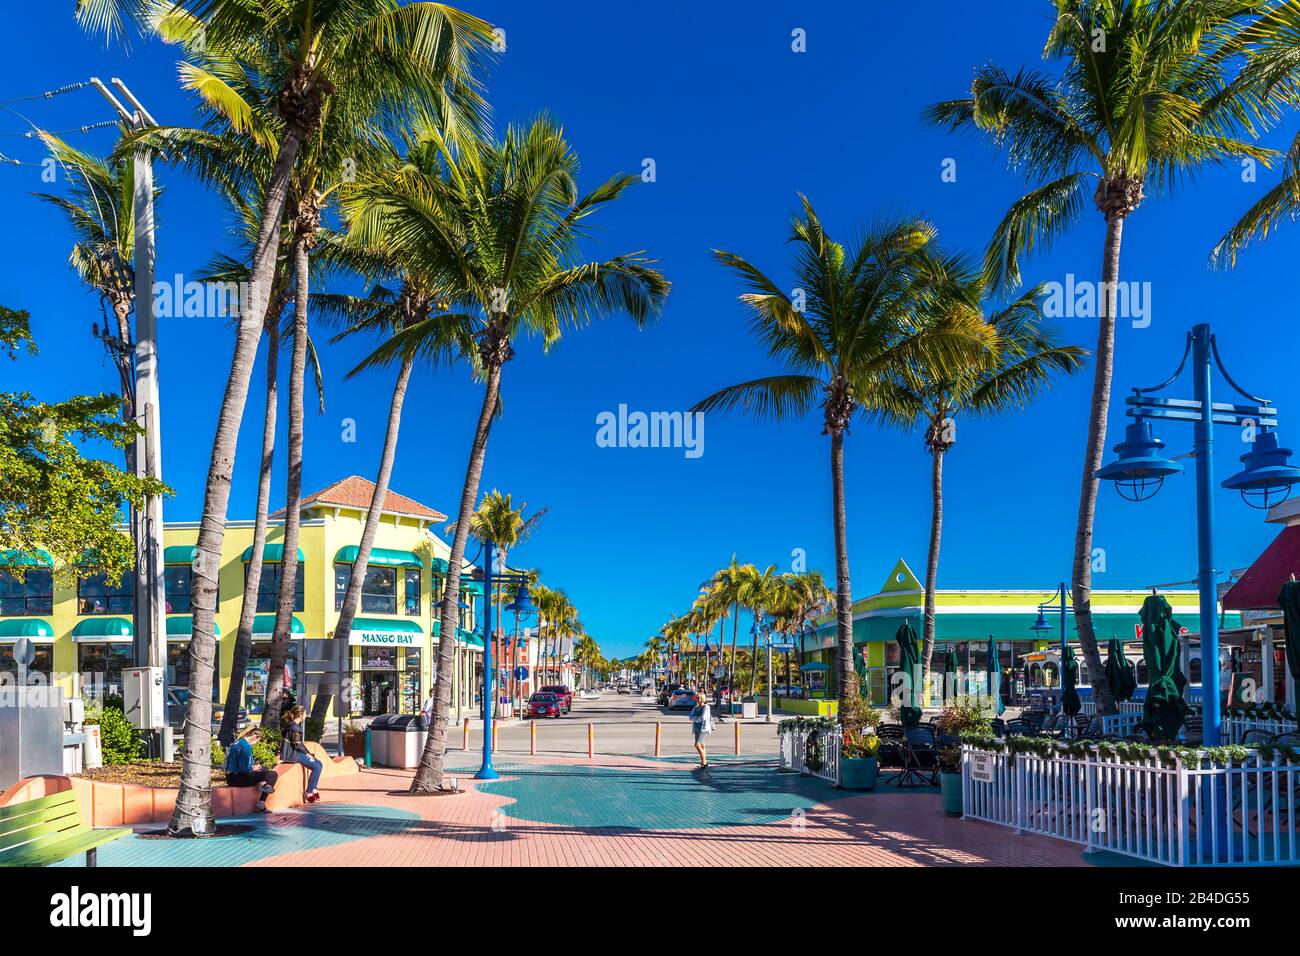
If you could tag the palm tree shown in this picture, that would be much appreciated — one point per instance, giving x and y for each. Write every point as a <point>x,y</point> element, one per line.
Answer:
<point>369,60</point>
<point>1143,99</point>
<point>1273,68</point>
<point>502,221</point>
<point>725,591</point>
<point>860,320</point>
<point>758,593</point>
<point>1020,364</point>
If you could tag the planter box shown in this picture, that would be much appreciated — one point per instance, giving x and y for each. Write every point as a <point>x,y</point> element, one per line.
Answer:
<point>860,773</point>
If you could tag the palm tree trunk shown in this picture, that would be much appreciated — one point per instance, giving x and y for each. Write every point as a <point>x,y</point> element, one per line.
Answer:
<point>843,589</point>
<point>428,777</point>
<point>731,662</point>
<point>193,810</point>
<point>932,560</point>
<point>352,598</point>
<point>1103,371</point>
<point>253,580</point>
<point>753,670</point>
<point>293,490</point>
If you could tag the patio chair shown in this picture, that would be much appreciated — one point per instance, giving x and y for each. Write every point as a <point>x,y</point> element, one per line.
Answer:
<point>1051,727</point>
<point>999,727</point>
<point>1290,739</point>
<point>1193,730</point>
<point>892,740</point>
<point>1035,717</point>
<point>1257,737</point>
<point>1093,728</point>
<point>1019,727</point>
<point>920,759</point>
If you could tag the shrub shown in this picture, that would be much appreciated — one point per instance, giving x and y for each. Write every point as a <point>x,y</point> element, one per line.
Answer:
<point>121,742</point>
<point>218,753</point>
<point>966,715</point>
<point>858,719</point>
<point>265,754</point>
<point>314,728</point>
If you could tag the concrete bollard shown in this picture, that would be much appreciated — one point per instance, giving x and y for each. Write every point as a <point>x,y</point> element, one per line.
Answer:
<point>591,741</point>
<point>465,742</point>
<point>496,736</point>
<point>737,725</point>
<point>658,733</point>
<point>532,739</point>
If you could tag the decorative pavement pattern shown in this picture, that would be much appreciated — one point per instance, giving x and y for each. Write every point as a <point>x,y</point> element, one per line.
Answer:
<point>610,811</point>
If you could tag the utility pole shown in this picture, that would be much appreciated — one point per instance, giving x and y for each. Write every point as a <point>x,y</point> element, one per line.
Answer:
<point>150,622</point>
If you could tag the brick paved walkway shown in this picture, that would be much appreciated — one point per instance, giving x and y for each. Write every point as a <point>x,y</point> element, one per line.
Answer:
<point>613,811</point>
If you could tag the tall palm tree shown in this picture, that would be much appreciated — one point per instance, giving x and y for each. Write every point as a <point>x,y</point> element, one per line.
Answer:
<point>860,320</point>
<point>758,593</point>
<point>502,220</point>
<point>1020,364</point>
<point>1143,98</point>
<point>725,587</point>
<point>370,60</point>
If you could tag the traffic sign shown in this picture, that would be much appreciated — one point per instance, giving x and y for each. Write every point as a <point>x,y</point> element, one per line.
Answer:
<point>521,673</point>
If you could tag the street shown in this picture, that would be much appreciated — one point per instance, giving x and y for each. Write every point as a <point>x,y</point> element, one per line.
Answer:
<point>623,725</point>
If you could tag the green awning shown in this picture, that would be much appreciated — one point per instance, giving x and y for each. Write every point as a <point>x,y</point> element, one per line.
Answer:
<point>1004,627</point>
<point>814,666</point>
<point>273,553</point>
<point>473,587</point>
<point>379,631</point>
<point>441,566</point>
<point>468,637</point>
<point>110,629</point>
<point>30,627</point>
<point>26,559</point>
<point>181,554</point>
<point>180,627</point>
<point>264,626</point>
<point>380,557</point>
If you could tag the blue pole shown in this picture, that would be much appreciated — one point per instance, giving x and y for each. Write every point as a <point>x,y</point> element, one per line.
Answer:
<point>1064,645</point>
<point>486,772</point>
<point>1204,448</point>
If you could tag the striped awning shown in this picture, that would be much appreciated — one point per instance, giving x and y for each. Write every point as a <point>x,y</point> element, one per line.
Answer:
<point>380,557</point>
<point>32,628</point>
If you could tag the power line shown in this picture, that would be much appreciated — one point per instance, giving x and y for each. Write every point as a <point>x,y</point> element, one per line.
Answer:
<point>34,134</point>
<point>48,94</point>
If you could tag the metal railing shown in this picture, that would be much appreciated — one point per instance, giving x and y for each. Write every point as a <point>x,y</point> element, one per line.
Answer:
<point>793,748</point>
<point>1167,813</point>
<point>1235,728</point>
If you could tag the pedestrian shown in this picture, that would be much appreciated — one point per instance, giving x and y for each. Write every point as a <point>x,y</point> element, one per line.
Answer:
<point>427,709</point>
<point>702,725</point>
<point>241,771</point>
<point>294,750</point>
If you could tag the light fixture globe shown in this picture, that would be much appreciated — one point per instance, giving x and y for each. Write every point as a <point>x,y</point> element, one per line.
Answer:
<point>1040,626</point>
<point>1267,478</point>
<point>523,603</point>
<point>1140,470</point>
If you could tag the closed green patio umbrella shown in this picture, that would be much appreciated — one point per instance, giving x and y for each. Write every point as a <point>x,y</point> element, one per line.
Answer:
<point>952,666</point>
<point>909,662</point>
<point>1070,702</point>
<point>1165,711</point>
<point>1289,601</point>
<point>1120,677</point>
<point>995,679</point>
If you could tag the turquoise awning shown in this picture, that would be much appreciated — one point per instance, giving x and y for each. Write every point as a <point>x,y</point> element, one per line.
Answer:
<point>181,554</point>
<point>264,626</point>
<point>180,627</point>
<point>109,629</point>
<point>273,553</point>
<point>32,628</point>
<point>26,559</point>
<point>468,637</point>
<point>473,587</point>
<point>382,632</point>
<point>441,566</point>
<point>380,557</point>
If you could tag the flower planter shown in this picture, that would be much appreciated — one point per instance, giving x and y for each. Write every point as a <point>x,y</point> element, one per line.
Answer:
<point>950,785</point>
<point>859,773</point>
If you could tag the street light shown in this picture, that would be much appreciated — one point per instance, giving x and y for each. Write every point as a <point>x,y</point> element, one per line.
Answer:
<point>1042,626</point>
<point>522,606</point>
<point>524,601</point>
<point>1140,471</point>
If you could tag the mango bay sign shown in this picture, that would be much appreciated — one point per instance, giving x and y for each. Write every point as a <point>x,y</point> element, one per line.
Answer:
<point>384,639</point>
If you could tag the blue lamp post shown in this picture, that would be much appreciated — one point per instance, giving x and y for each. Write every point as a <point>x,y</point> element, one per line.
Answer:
<point>1140,471</point>
<point>1042,626</point>
<point>524,603</point>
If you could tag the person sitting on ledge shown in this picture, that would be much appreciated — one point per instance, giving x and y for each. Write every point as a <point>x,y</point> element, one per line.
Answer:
<point>241,771</point>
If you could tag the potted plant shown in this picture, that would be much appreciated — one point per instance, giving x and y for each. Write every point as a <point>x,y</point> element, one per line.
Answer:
<point>859,768</point>
<point>354,740</point>
<point>965,717</point>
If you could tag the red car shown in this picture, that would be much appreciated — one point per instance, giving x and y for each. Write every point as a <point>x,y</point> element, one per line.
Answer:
<point>544,705</point>
<point>560,691</point>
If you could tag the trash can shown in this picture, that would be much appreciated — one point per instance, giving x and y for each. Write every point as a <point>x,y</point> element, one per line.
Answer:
<point>406,736</point>
<point>92,750</point>
<point>379,731</point>
<point>749,709</point>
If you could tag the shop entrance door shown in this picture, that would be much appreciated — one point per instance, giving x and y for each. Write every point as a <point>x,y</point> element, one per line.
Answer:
<point>379,692</point>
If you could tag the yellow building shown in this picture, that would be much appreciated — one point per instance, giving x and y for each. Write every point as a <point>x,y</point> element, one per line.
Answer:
<point>83,632</point>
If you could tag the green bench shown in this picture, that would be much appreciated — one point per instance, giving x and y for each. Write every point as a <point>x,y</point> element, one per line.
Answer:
<point>48,830</point>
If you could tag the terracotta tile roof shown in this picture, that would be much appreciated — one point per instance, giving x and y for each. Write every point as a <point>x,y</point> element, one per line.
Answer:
<point>355,492</point>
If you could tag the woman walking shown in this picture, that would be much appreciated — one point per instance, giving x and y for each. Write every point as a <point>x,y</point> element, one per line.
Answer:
<point>294,750</point>
<point>701,724</point>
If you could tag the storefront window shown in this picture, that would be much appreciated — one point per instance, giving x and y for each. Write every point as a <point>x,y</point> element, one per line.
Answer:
<point>100,667</point>
<point>34,594</point>
<point>259,667</point>
<point>41,669</point>
<point>177,581</point>
<point>96,596</point>
<point>437,582</point>
<point>268,587</point>
<point>378,593</point>
<point>412,598</point>
<point>379,681</point>
<point>178,679</point>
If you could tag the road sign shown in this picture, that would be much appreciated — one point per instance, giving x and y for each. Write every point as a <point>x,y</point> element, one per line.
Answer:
<point>24,651</point>
<point>782,647</point>
<point>521,673</point>
<point>719,672</point>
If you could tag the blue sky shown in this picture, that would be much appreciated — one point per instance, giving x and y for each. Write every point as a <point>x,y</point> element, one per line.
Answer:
<point>737,124</point>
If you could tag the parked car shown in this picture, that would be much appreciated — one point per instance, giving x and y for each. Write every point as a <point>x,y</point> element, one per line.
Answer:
<point>788,690</point>
<point>624,689</point>
<point>544,705</point>
<point>666,692</point>
<point>561,691</point>
<point>683,698</point>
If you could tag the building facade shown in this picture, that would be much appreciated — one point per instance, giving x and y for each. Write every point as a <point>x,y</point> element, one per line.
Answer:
<point>82,627</point>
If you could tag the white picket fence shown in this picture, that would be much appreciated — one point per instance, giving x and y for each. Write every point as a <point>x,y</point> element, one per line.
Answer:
<point>1235,728</point>
<point>1176,815</point>
<point>793,750</point>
